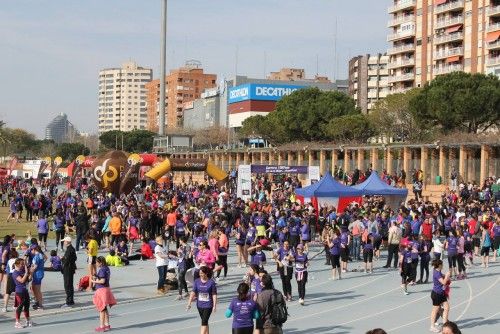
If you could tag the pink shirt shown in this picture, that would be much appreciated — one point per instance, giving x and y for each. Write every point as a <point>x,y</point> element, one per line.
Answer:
<point>206,257</point>
<point>213,244</point>
<point>460,245</point>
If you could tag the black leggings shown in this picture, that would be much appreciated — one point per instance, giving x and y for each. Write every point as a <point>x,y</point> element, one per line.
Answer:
<point>22,304</point>
<point>243,330</point>
<point>414,265</point>
<point>424,266</point>
<point>60,237</point>
<point>182,281</point>
<point>204,315</point>
<point>222,262</point>
<point>461,262</point>
<point>286,277</point>
<point>302,285</point>
<point>452,261</point>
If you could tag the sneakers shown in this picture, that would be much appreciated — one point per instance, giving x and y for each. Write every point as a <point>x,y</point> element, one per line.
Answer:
<point>100,329</point>
<point>18,325</point>
<point>29,323</point>
<point>107,328</point>
<point>179,297</point>
<point>186,295</point>
<point>4,310</point>
<point>434,329</point>
<point>66,306</point>
<point>344,271</point>
<point>301,301</point>
<point>160,292</point>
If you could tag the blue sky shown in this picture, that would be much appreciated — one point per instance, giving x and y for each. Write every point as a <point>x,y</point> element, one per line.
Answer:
<point>51,50</point>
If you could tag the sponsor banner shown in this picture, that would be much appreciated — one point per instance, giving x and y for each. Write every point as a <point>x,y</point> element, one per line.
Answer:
<point>263,92</point>
<point>313,174</point>
<point>244,184</point>
<point>280,169</point>
<point>188,165</point>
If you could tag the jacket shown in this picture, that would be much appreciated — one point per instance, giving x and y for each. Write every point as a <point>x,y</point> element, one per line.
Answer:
<point>69,260</point>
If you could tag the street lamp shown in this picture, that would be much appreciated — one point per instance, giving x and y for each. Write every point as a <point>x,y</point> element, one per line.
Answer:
<point>163,61</point>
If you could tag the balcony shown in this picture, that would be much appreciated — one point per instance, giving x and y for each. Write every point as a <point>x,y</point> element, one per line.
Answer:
<point>494,11</point>
<point>493,61</point>
<point>402,63</point>
<point>403,4</point>
<point>448,69</point>
<point>403,77</point>
<point>449,22</point>
<point>493,46</point>
<point>458,36</point>
<point>401,35</point>
<point>400,20</point>
<point>449,6</point>
<point>448,53</point>
<point>401,49</point>
<point>493,27</point>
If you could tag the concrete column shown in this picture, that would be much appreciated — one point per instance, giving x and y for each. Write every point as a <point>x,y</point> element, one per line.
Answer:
<point>310,158</point>
<point>322,165</point>
<point>462,155</point>
<point>261,158</point>
<point>361,159</point>
<point>335,159</point>
<point>280,158</point>
<point>238,160</point>
<point>424,152</point>
<point>442,172</point>
<point>388,160</point>
<point>406,162</point>
<point>347,159</point>
<point>300,158</point>
<point>374,158</point>
<point>484,163</point>
<point>434,161</point>
<point>271,157</point>
<point>229,161</point>
<point>253,158</point>
<point>289,158</point>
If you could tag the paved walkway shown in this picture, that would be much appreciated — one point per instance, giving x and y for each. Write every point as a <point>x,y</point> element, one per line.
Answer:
<point>353,305</point>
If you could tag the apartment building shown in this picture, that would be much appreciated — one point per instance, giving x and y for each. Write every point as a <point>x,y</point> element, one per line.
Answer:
<point>434,37</point>
<point>368,80</point>
<point>122,97</point>
<point>183,85</point>
<point>294,74</point>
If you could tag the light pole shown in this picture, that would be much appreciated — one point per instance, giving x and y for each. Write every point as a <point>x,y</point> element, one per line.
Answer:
<point>163,61</point>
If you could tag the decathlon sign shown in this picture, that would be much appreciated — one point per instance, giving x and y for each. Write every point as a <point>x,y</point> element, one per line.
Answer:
<point>263,92</point>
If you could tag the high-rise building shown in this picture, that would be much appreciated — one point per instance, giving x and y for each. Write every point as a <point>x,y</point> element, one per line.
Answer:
<point>368,80</point>
<point>294,74</point>
<point>433,37</point>
<point>122,97</point>
<point>183,85</point>
<point>60,130</point>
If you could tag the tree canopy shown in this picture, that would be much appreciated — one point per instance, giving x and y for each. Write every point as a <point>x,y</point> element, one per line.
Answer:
<point>458,102</point>
<point>133,141</point>
<point>307,114</point>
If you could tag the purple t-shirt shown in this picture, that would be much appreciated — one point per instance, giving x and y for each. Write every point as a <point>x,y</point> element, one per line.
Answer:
<point>55,262</point>
<point>20,287</point>
<point>300,262</point>
<point>437,286</point>
<point>305,233</point>
<point>42,226</point>
<point>103,272</point>
<point>255,286</point>
<point>258,258</point>
<point>496,230</point>
<point>335,249</point>
<point>204,292</point>
<point>344,239</point>
<point>242,312</point>
<point>452,245</point>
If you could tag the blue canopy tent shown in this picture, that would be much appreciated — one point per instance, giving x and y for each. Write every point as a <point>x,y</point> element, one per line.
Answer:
<point>374,186</point>
<point>329,192</point>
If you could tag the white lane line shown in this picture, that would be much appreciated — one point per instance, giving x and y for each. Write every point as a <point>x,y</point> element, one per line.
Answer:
<point>468,301</point>
<point>455,306</point>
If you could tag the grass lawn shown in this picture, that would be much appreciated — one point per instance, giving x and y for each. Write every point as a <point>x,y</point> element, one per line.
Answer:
<point>21,228</point>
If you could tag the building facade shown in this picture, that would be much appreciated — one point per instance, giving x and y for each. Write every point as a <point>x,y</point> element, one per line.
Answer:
<point>433,37</point>
<point>183,85</point>
<point>122,97</point>
<point>368,80</point>
<point>204,112</point>
<point>60,130</point>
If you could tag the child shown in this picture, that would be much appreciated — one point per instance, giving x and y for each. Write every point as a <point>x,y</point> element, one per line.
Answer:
<point>103,296</point>
<point>113,260</point>
<point>20,277</point>
<point>55,262</point>
<point>368,254</point>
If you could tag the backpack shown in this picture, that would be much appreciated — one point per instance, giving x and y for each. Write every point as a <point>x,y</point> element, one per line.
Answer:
<point>278,309</point>
<point>83,283</point>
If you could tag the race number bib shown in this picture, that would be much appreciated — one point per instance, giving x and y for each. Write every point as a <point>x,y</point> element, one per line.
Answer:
<point>300,265</point>
<point>203,297</point>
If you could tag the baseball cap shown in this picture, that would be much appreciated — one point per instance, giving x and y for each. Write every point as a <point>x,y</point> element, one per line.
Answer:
<point>67,239</point>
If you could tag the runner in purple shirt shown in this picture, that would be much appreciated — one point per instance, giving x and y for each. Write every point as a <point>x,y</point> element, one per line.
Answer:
<point>205,292</point>
<point>438,295</point>
<point>301,263</point>
<point>334,246</point>
<point>305,234</point>
<point>243,310</point>
<point>42,226</point>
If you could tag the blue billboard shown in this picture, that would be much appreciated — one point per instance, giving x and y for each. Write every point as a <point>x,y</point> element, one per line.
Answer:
<point>261,92</point>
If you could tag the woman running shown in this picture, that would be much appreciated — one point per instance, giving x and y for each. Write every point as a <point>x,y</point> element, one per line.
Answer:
<point>405,268</point>
<point>205,292</point>
<point>284,256</point>
<point>243,310</point>
<point>103,296</point>
<point>20,277</point>
<point>438,295</point>
<point>301,264</point>
<point>253,280</point>
<point>451,245</point>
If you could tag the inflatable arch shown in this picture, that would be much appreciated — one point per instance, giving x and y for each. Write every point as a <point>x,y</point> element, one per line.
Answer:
<point>186,165</point>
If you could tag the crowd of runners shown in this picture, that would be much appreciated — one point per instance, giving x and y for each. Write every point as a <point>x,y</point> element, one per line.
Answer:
<point>190,229</point>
